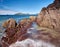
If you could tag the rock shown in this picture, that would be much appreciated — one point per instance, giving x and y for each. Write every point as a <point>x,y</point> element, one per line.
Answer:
<point>10,23</point>
<point>10,32</point>
<point>0,44</point>
<point>25,23</point>
<point>49,17</point>
<point>22,29</point>
<point>32,18</point>
<point>19,32</point>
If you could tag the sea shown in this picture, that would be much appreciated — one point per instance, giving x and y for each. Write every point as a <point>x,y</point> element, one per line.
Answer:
<point>16,17</point>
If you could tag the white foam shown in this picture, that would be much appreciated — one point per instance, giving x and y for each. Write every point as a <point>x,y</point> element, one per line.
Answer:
<point>31,43</point>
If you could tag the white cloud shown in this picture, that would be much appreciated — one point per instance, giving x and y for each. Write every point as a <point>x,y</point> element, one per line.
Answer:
<point>4,12</point>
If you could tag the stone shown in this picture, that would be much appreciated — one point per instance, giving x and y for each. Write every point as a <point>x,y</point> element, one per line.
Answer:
<point>10,23</point>
<point>32,18</point>
<point>23,21</point>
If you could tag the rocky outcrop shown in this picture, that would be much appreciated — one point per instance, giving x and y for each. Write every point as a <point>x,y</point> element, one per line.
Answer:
<point>10,23</point>
<point>49,17</point>
<point>48,31</point>
<point>18,32</point>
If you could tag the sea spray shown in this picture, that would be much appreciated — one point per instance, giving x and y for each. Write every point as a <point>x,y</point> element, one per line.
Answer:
<point>31,43</point>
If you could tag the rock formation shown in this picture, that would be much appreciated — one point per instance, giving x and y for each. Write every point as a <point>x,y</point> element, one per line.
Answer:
<point>10,23</point>
<point>49,17</point>
<point>18,32</point>
<point>33,18</point>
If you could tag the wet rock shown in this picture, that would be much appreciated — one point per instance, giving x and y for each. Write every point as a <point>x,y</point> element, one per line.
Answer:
<point>0,44</point>
<point>4,44</point>
<point>25,23</point>
<point>22,29</point>
<point>10,23</point>
<point>8,37</point>
<point>17,33</point>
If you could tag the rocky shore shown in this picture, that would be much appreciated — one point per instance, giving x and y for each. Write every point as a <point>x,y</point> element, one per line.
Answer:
<point>23,35</point>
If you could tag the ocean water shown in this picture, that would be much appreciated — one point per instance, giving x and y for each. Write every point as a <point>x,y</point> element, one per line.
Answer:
<point>16,17</point>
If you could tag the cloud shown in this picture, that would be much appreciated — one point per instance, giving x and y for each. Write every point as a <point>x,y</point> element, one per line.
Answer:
<point>4,12</point>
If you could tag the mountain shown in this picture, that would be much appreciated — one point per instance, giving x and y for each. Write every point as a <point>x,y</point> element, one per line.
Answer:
<point>25,14</point>
<point>19,14</point>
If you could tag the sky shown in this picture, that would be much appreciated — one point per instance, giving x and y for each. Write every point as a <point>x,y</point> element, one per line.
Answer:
<point>23,6</point>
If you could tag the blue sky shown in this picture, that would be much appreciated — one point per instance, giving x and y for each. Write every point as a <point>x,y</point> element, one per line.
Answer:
<point>23,6</point>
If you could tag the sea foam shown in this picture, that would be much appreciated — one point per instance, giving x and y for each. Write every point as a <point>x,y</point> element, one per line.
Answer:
<point>31,43</point>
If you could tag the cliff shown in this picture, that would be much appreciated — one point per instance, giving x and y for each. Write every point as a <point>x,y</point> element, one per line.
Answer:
<point>49,16</point>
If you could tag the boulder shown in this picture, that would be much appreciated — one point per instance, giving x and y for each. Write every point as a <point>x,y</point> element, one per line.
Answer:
<point>32,18</point>
<point>10,23</point>
<point>25,23</point>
